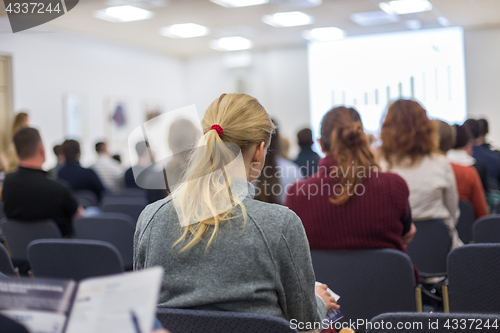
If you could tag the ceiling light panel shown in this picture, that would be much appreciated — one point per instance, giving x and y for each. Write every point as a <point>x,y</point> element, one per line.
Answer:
<point>402,7</point>
<point>324,34</point>
<point>239,3</point>
<point>288,19</point>
<point>236,43</point>
<point>373,18</point>
<point>184,30</point>
<point>123,14</point>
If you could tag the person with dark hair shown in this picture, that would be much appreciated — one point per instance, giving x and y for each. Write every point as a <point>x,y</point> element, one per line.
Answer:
<point>410,149</point>
<point>52,173</point>
<point>109,170</point>
<point>74,174</point>
<point>308,159</point>
<point>468,181</point>
<point>349,203</point>
<point>277,175</point>
<point>143,162</point>
<point>28,193</point>
<point>482,152</point>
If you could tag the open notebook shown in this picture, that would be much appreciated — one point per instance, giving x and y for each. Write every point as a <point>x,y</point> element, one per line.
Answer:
<point>115,303</point>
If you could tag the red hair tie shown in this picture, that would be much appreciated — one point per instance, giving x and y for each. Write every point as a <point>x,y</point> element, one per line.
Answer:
<point>218,129</point>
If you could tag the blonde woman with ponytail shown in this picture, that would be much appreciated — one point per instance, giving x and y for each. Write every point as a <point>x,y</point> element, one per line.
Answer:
<point>349,203</point>
<point>221,249</point>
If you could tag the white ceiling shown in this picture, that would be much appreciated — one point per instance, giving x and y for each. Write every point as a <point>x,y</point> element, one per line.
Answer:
<point>246,22</point>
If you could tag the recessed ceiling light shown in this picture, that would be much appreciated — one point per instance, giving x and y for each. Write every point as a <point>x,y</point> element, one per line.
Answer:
<point>401,7</point>
<point>239,3</point>
<point>231,44</point>
<point>323,34</point>
<point>373,18</point>
<point>413,24</point>
<point>123,14</point>
<point>184,30</point>
<point>287,19</point>
<point>443,21</point>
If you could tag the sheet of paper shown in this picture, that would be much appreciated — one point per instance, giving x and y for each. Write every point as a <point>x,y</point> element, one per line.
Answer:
<point>334,295</point>
<point>106,304</point>
<point>42,305</point>
<point>38,321</point>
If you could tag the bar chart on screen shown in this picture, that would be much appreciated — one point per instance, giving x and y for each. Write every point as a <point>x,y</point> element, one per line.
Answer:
<point>368,72</point>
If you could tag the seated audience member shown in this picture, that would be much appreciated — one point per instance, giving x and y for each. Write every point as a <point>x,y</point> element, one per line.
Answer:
<point>481,151</point>
<point>254,257</point>
<point>285,147</point>
<point>22,119</point>
<point>410,149</point>
<point>339,209</point>
<point>277,175</point>
<point>144,161</point>
<point>52,173</point>
<point>308,159</point>
<point>3,170</point>
<point>468,181</point>
<point>74,174</point>
<point>108,169</point>
<point>28,193</point>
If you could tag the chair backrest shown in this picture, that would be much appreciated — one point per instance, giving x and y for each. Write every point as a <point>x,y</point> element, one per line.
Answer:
<point>117,229</point>
<point>127,193</point>
<point>197,321</point>
<point>465,222</point>
<point>430,247</point>
<point>497,208</point>
<point>434,323</point>
<point>369,282</point>
<point>20,233</point>
<point>473,275</point>
<point>124,200</point>
<point>487,229</point>
<point>73,259</point>
<point>6,266</point>
<point>8,325</point>
<point>2,213</point>
<point>127,206</point>
<point>86,198</point>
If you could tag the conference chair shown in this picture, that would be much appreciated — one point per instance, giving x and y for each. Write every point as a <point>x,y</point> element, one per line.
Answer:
<point>369,282</point>
<point>430,247</point>
<point>198,321</point>
<point>73,259</point>
<point>497,209</point>
<point>487,229</point>
<point>465,222</point>
<point>124,200</point>
<point>434,323</point>
<point>127,193</point>
<point>473,275</point>
<point>114,228</point>
<point>6,266</point>
<point>132,207</point>
<point>20,233</point>
<point>86,198</point>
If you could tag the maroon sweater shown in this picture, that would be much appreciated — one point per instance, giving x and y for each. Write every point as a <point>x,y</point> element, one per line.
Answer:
<point>371,220</point>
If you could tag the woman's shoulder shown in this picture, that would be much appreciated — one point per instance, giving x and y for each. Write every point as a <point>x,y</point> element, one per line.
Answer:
<point>162,207</point>
<point>271,216</point>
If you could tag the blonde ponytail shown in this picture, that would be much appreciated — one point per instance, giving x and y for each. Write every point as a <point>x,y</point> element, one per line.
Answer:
<point>211,169</point>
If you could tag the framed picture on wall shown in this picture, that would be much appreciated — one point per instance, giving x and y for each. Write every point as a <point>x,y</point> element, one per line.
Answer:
<point>74,112</point>
<point>117,123</point>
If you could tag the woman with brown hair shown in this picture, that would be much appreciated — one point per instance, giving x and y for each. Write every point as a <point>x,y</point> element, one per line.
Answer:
<point>22,119</point>
<point>348,203</point>
<point>410,148</point>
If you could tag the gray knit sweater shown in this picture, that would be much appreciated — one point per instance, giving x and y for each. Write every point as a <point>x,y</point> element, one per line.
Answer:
<point>261,267</point>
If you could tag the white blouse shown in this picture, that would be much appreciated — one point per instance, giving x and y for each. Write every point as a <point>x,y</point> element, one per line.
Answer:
<point>433,190</point>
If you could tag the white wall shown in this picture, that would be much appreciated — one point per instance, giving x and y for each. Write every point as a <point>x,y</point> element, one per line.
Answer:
<point>278,79</point>
<point>482,60</point>
<point>48,65</point>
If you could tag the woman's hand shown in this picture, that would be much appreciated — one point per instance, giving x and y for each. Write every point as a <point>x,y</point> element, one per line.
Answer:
<point>408,237</point>
<point>329,301</point>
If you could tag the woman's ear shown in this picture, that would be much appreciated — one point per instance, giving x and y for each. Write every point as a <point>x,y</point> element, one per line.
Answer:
<point>322,147</point>
<point>259,152</point>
